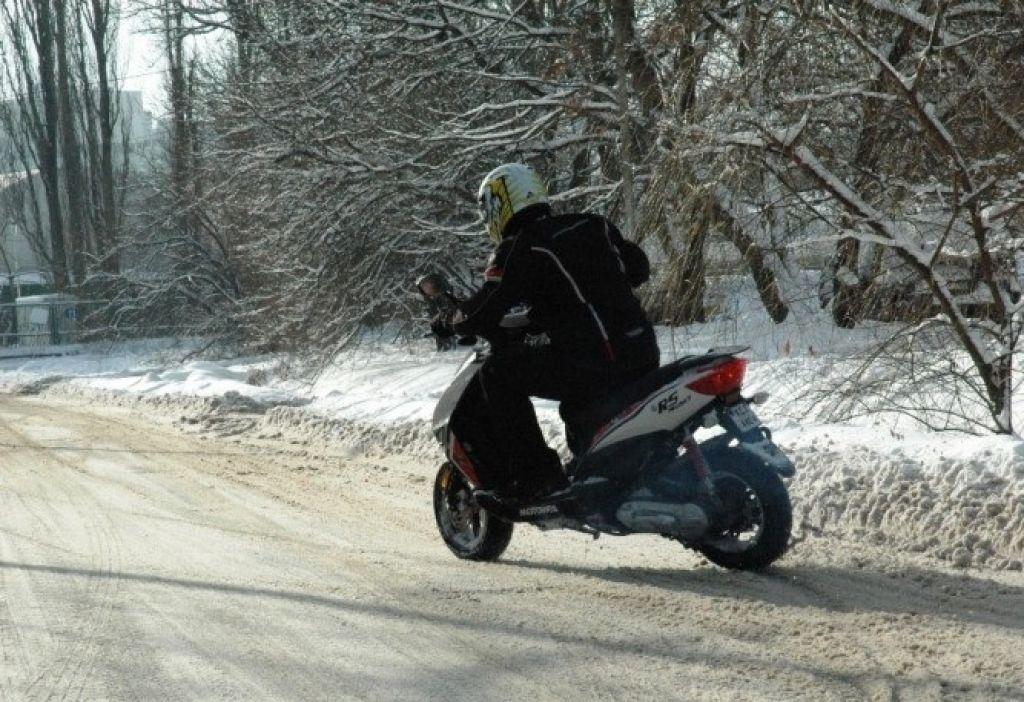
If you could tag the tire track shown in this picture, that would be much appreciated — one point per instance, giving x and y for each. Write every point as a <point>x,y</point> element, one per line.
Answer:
<point>413,647</point>
<point>66,677</point>
<point>312,575</point>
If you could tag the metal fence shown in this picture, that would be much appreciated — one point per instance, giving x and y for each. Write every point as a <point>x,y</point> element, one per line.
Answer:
<point>47,320</point>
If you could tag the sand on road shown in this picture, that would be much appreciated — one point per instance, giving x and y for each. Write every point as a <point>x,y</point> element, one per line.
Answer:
<point>138,561</point>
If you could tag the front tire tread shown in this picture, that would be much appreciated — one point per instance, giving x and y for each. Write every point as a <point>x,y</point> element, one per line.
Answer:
<point>497,531</point>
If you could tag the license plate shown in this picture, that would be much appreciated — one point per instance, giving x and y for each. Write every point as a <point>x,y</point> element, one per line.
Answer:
<point>744,417</point>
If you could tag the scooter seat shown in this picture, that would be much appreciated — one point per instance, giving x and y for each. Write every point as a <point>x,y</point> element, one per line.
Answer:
<point>583,420</point>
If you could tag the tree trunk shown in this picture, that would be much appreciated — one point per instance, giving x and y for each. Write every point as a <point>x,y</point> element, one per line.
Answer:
<point>847,298</point>
<point>764,278</point>
<point>180,142</point>
<point>107,239</point>
<point>851,289</point>
<point>245,23</point>
<point>88,118</point>
<point>683,294</point>
<point>74,183</point>
<point>49,165</point>
<point>622,12</point>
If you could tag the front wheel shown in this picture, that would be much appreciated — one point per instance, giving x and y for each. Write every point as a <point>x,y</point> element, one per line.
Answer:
<point>469,531</point>
<point>757,515</point>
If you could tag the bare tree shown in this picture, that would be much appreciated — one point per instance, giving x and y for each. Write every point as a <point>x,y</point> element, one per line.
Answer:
<point>61,122</point>
<point>71,161</point>
<point>330,154</point>
<point>101,29</point>
<point>942,183</point>
<point>31,35</point>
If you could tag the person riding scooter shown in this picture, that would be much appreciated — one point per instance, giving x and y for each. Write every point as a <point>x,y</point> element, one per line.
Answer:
<point>576,273</point>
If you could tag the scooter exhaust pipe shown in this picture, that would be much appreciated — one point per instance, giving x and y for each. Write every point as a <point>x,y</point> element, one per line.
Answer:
<point>687,521</point>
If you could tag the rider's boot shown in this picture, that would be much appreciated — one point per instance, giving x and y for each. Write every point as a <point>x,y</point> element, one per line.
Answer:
<point>535,494</point>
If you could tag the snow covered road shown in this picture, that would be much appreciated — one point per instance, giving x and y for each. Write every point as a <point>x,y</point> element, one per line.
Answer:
<point>141,562</point>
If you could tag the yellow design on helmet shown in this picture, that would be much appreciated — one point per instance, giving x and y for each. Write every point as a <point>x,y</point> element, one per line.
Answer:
<point>507,190</point>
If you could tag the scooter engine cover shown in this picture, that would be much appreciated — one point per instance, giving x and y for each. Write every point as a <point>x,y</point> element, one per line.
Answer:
<point>686,520</point>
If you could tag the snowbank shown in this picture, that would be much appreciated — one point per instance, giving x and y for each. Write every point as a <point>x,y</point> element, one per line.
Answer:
<point>959,498</point>
<point>881,479</point>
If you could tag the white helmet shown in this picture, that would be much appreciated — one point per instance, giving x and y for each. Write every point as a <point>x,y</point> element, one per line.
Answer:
<point>507,190</point>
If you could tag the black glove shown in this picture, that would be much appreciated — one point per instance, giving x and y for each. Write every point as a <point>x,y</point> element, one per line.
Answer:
<point>441,325</point>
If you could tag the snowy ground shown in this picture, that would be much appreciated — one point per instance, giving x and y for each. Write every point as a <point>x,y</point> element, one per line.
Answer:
<point>882,480</point>
<point>141,561</point>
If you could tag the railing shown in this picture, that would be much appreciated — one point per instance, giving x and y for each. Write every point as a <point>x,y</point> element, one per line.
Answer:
<point>47,320</point>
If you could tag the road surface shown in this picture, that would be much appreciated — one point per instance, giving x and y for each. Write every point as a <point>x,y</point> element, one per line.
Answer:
<point>138,561</point>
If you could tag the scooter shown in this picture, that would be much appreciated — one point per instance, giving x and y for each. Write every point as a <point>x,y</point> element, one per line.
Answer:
<point>637,467</point>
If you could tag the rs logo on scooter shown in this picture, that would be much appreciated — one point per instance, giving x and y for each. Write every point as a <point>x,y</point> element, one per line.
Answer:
<point>669,404</point>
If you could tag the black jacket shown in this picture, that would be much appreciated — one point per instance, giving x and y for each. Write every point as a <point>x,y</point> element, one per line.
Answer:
<point>576,273</point>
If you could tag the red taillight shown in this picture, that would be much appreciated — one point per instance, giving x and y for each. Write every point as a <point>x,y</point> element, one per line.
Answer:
<point>722,379</point>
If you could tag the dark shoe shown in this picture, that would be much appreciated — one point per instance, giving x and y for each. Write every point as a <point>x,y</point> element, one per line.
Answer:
<point>540,487</point>
<point>503,506</point>
<point>533,494</point>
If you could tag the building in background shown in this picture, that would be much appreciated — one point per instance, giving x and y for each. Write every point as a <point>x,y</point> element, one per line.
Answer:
<point>23,252</point>
<point>140,129</point>
<point>24,225</point>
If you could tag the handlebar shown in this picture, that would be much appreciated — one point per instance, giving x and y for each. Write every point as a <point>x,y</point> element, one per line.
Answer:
<point>511,328</point>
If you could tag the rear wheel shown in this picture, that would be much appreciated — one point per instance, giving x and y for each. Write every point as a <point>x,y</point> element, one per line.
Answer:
<point>757,516</point>
<point>469,531</point>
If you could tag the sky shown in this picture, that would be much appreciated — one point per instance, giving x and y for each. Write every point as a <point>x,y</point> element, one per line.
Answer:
<point>141,59</point>
<point>142,63</point>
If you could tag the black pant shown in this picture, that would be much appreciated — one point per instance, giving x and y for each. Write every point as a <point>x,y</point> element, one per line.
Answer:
<point>513,375</point>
